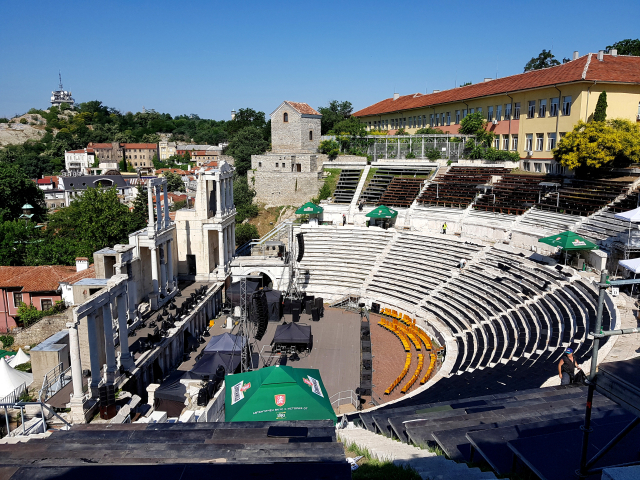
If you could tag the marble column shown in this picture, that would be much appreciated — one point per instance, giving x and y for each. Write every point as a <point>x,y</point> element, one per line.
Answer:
<point>223,196</point>
<point>150,201</point>
<point>232,202</point>
<point>154,270</point>
<point>76,363</point>
<point>229,246</point>
<point>163,269</point>
<point>132,291</point>
<point>233,239</point>
<point>109,347</point>
<point>169,257</point>
<point>94,353</point>
<point>221,248</point>
<point>165,212</point>
<point>158,208</point>
<point>229,194</point>
<point>125,356</point>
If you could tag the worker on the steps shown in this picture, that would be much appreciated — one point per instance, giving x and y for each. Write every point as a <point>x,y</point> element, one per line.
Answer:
<point>444,228</point>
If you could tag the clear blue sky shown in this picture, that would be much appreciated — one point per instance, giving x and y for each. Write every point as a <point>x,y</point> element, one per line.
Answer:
<point>209,57</point>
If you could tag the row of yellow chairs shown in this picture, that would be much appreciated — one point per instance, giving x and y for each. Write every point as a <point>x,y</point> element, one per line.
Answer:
<point>397,381</point>
<point>388,324</point>
<point>416,374</point>
<point>432,365</point>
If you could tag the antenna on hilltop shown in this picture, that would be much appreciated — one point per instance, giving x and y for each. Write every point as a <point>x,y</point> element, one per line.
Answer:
<point>60,78</point>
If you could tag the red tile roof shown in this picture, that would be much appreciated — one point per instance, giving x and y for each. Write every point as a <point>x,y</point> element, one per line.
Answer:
<point>586,68</point>
<point>44,181</point>
<point>44,278</point>
<point>303,108</point>
<point>172,170</point>
<point>100,145</point>
<point>140,145</point>
<point>82,150</point>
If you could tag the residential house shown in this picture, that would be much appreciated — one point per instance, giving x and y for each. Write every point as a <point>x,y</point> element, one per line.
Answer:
<point>166,149</point>
<point>140,155</point>
<point>79,162</point>
<point>74,186</point>
<point>200,153</point>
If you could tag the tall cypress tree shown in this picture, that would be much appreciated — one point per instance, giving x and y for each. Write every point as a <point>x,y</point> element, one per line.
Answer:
<point>600,114</point>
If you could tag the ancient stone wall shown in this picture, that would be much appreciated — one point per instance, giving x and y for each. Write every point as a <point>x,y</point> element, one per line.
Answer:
<point>285,188</point>
<point>43,329</point>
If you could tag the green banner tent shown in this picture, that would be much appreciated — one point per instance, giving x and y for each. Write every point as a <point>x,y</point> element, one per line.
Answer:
<point>382,212</point>
<point>277,393</point>
<point>309,209</point>
<point>568,241</point>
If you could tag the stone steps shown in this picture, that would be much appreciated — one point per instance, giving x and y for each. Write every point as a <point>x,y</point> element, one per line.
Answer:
<point>427,464</point>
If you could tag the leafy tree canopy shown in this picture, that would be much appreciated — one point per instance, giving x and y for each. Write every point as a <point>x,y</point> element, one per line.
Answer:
<point>16,189</point>
<point>245,233</point>
<point>243,196</point>
<point>334,113</point>
<point>248,141</point>
<point>627,47</point>
<point>174,182</point>
<point>594,145</point>
<point>544,60</point>
<point>350,126</point>
<point>600,113</point>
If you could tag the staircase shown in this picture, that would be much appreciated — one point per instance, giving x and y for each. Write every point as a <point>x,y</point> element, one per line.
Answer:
<point>427,464</point>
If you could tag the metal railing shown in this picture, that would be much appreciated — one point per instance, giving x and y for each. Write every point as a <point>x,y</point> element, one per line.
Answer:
<point>344,397</point>
<point>275,233</point>
<point>21,406</point>
<point>14,396</point>
<point>54,381</point>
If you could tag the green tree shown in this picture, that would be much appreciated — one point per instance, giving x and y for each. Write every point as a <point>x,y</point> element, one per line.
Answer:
<point>92,221</point>
<point>600,113</point>
<point>246,117</point>
<point>544,60</point>
<point>16,189</point>
<point>627,47</point>
<point>428,131</point>
<point>174,182</point>
<point>245,232</point>
<point>248,141</point>
<point>243,199</point>
<point>595,145</point>
<point>123,164</point>
<point>334,113</point>
<point>350,126</point>
<point>140,212</point>
<point>16,238</point>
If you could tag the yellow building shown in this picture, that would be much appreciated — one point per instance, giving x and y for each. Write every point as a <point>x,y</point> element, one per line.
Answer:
<point>528,112</point>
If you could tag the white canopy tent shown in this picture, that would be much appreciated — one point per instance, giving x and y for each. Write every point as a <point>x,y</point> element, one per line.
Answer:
<point>11,379</point>
<point>19,359</point>
<point>630,216</point>
<point>633,265</point>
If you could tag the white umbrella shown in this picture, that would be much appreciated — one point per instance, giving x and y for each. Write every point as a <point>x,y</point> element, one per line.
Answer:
<point>19,359</point>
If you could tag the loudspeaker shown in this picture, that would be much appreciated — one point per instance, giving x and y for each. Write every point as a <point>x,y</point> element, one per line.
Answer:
<point>315,314</point>
<point>309,305</point>
<point>286,308</point>
<point>295,313</point>
<point>203,397</point>
<point>300,239</point>
<point>319,304</point>
<point>375,308</point>
<point>296,304</point>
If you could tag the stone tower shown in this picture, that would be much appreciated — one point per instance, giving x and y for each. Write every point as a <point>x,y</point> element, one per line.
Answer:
<point>295,128</point>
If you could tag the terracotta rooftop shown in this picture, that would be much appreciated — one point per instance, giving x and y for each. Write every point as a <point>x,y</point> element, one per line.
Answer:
<point>303,108</point>
<point>100,145</point>
<point>44,278</point>
<point>172,170</point>
<point>81,150</point>
<point>617,69</point>
<point>139,145</point>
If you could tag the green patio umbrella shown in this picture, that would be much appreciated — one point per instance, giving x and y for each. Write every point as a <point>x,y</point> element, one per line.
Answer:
<point>277,393</point>
<point>382,211</point>
<point>309,209</point>
<point>568,241</point>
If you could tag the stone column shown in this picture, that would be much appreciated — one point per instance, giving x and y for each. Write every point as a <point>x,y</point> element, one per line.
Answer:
<point>158,209</point>
<point>132,290</point>
<point>233,239</point>
<point>232,202</point>
<point>76,363</point>
<point>125,356</point>
<point>169,261</point>
<point>109,347</point>
<point>94,353</point>
<point>229,246</point>
<point>154,269</point>
<point>223,196</point>
<point>218,187</point>
<point>163,270</point>
<point>165,213</point>
<point>221,248</point>
<point>150,199</point>
<point>229,194</point>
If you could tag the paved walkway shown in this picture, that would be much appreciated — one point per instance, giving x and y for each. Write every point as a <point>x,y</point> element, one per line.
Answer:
<point>625,346</point>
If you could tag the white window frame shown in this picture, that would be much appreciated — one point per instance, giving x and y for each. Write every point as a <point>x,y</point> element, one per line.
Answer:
<point>554,103</point>
<point>458,116</point>
<point>505,142</point>
<point>514,142</point>
<point>542,108</point>
<point>566,105</point>
<point>490,114</point>
<point>528,143</point>
<point>539,142</point>
<point>531,109</point>
<point>551,141</point>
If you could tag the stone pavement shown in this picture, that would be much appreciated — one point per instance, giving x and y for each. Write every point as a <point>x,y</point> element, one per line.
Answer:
<point>625,346</point>
<point>427,464</point>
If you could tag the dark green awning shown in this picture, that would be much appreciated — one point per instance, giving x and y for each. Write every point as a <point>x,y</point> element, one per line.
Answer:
<point>382,212</point>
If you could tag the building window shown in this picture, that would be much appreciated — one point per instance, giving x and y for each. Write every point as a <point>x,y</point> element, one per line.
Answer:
<point>505,142</point>
<point>17,299</point>
<point>539,141</point>
<point>499,112</point>
<point>532,109</point>
<point>479,110</point>
<point>136,164</point>
<point>285,117</point>
<point>259,164</point>
<point>553,107</point>
<point>542,110</point>
<point>431,119</point>
<point>284,165</point>
<point>537,167</point>
<point>442,119</point>
<point>547,168</point>
<point>464,113</point>
<point>448,118</point>
<point>507,111</point>
<point>472,110</point>
<point>310,134</point>
<point>551,141</point>
<point>566,105</point>
<point>526,166</point>
<point>514,142</point>
<point>437,120</point>
<point>490,114</point>
<point>516,111</point>
<point>457,117</point>
<point>46,304</point>
<point>276,164</point>
<point>496,143</point>
<point>528,145</point>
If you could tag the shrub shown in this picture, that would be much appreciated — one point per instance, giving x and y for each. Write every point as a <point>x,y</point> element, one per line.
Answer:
<point>23,121</point>
<point>410,155</point>
<point>432,153</point>
<point>7,340</point>
<point>245,232</point>
<point>330,148</point>
<point>28,314</point>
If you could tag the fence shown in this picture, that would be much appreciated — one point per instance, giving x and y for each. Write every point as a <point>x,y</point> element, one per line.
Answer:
<point>344,397</point>
<point>431,147</point>
<point>54,381</point>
